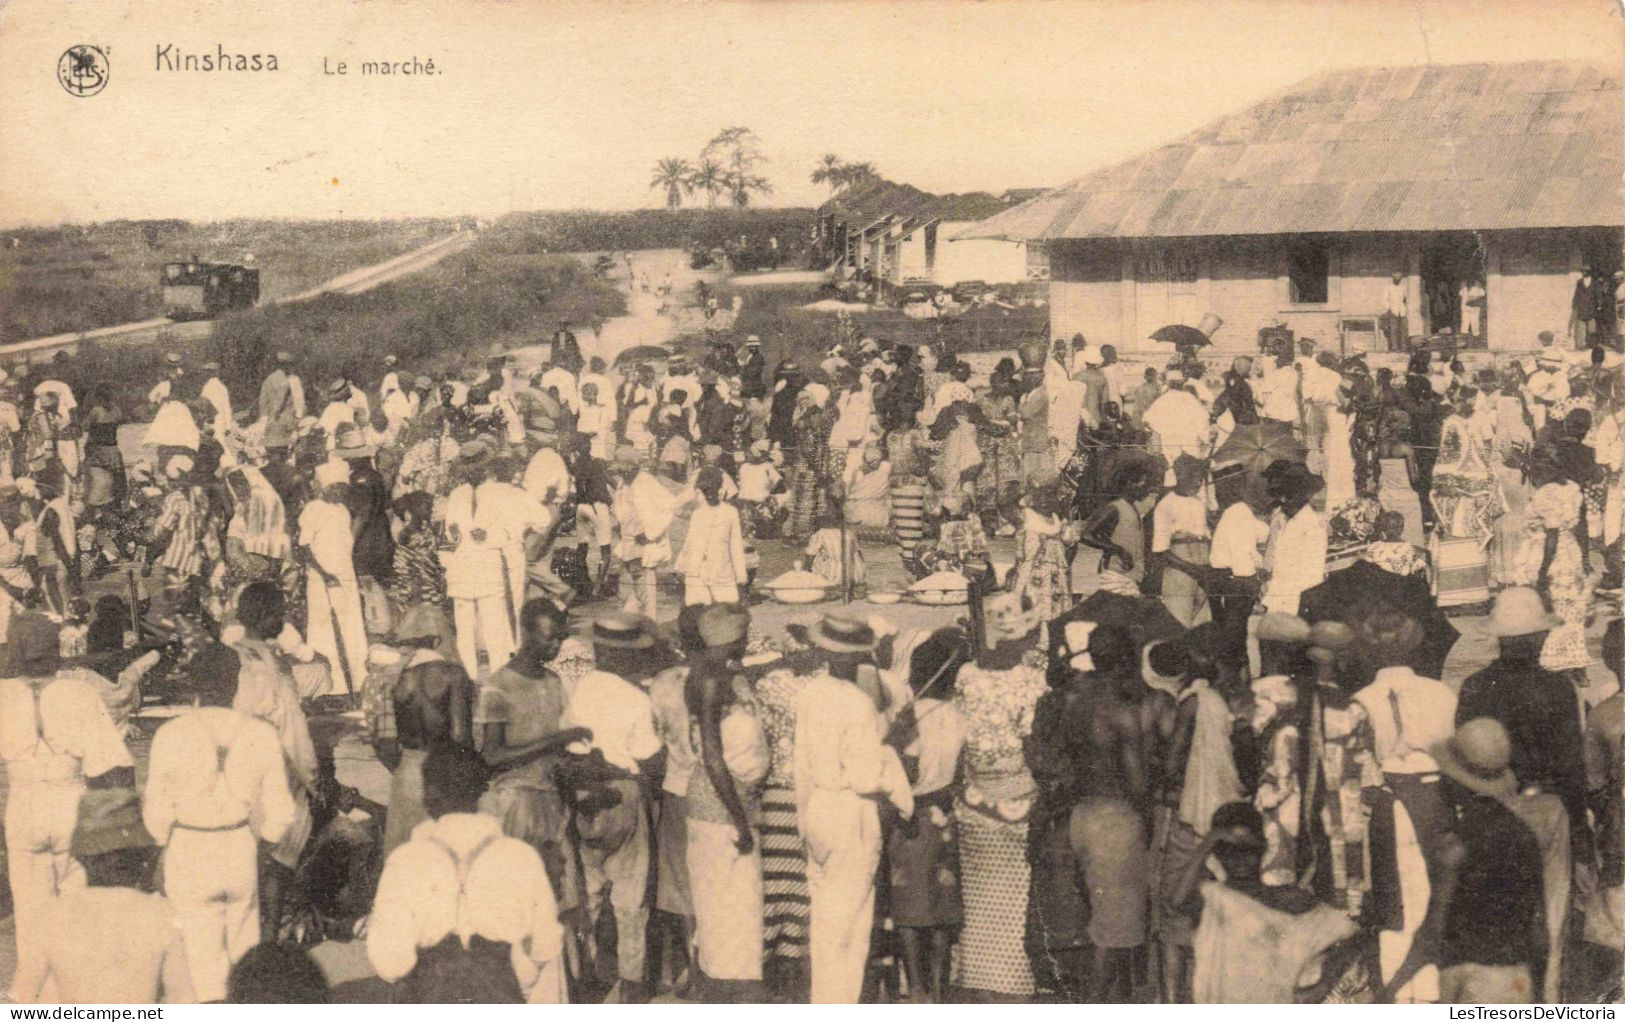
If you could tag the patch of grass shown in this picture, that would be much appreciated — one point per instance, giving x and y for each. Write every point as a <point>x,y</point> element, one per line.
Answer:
<point>64,279</point>
<point>450,316</point>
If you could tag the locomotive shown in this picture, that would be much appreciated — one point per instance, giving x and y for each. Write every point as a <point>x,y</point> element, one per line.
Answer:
<point>199,290</point>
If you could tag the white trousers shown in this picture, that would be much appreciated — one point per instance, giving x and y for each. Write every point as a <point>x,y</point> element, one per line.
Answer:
<point>843,852</point>
<point>212,880</point>
<point>40,816</point>
<point>340,603</point>
<point>698,594</point>
<point>484,622</point>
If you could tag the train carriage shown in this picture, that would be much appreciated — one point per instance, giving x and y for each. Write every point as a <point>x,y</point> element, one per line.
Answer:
<point>199,290</point>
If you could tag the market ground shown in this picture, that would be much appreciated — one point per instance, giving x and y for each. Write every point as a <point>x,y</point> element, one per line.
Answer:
<point>646,323</point>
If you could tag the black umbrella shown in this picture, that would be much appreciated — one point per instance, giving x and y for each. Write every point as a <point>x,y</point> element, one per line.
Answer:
<point>1259,446</point>
<point>1180,335</point>
<point>1351,594</point>
<point>643,353</point>
<point>1144,618</point>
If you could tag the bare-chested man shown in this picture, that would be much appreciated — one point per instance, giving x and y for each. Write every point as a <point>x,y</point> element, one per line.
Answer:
<point>1120,729</point>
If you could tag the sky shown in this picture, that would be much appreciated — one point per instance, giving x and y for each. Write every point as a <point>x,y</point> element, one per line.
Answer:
<point>550,105</point>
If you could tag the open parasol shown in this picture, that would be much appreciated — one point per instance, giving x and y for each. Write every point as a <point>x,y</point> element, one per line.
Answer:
<point>642,353</point>
<point>1180,335</point>
<point>1144,618</point>
<point>1257,447</point>
<point>1351,594</point>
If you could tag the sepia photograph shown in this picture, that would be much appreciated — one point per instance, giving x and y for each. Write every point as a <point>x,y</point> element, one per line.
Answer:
<point>908,502</point>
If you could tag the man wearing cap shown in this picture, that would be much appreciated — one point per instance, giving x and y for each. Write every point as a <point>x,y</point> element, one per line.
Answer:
<point>595,419</point>
<point>54,733</point>
<point>614,841</point>
<point>336,627</point>
<point>647,507</point>
<point>712,561</point>
<point>1539,708</point>
<point>1486,926</point>
<point>842,772</point>
<point>281,405</point>
<point>164,390</point>
<point>1095,390</point>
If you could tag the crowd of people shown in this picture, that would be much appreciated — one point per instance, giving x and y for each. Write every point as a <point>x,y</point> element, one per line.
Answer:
<point>1037,800</point>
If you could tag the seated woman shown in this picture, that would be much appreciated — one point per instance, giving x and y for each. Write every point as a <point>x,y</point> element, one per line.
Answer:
<point>961,544</point>
<point>868,495</point>
<point>1389,551</point>
<point>827,551</point>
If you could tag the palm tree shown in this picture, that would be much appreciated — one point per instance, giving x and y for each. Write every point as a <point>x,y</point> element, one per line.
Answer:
<point>709,177</point>
<point>672,174</point>
<point>828,172</point>
<point>854,175</point>
<point>740,187</point>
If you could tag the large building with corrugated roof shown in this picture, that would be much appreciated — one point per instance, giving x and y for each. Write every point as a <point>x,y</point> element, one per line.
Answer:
<point>1294,212</point>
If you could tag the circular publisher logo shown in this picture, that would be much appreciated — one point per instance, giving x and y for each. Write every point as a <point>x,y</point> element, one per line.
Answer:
<point>82,70</point>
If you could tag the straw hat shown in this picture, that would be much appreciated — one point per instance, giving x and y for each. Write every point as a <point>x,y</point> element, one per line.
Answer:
<point>1479,758</point>
<point>619,629</point>
<point>842,633</point>
<point>1519,610</point>
<point>350,442</point>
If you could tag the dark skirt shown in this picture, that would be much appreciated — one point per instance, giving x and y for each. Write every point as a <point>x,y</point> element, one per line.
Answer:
<point>925,867</point>
<point>448,973</point>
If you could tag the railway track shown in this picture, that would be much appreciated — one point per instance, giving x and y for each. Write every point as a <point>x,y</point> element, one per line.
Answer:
<point>355,282</point>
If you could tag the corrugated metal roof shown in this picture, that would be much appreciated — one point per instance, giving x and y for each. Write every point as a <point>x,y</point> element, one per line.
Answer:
<point>869,204</point>
<point>1472,146</point>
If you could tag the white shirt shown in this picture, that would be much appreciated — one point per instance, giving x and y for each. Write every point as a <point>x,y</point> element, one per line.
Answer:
<point>1238,541</point>
<point>714,551</point>
<point>546,477</point>
<point>1177,515</point>
<point>324,529</point>
<point>473,566</point>
<point>1180,422</point>
<point>561,379</point>
<point>333,416</point>
<point>1065,411</point>
<point>76,725</point>
<point>1427,711</point>
<point>839,759</point>
<point>216,394</point>
<point>506,897</point>
<point>620,716</point>
<point>1278,395</point>
<point>756,481</point>
<point>187,786</point>
<point>1298,561</point>
<point>1396,299</point>
<point>941,738</point>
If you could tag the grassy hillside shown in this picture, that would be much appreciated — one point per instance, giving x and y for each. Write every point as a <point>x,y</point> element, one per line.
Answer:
<point>62,279</point>
<point>449,316</point>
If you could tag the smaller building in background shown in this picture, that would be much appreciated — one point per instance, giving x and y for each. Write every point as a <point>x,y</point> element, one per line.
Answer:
<point>901,236</point>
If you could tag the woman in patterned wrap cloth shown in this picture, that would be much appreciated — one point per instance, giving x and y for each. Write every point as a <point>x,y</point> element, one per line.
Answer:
<point>786,903</point>
<point>996,696</point>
